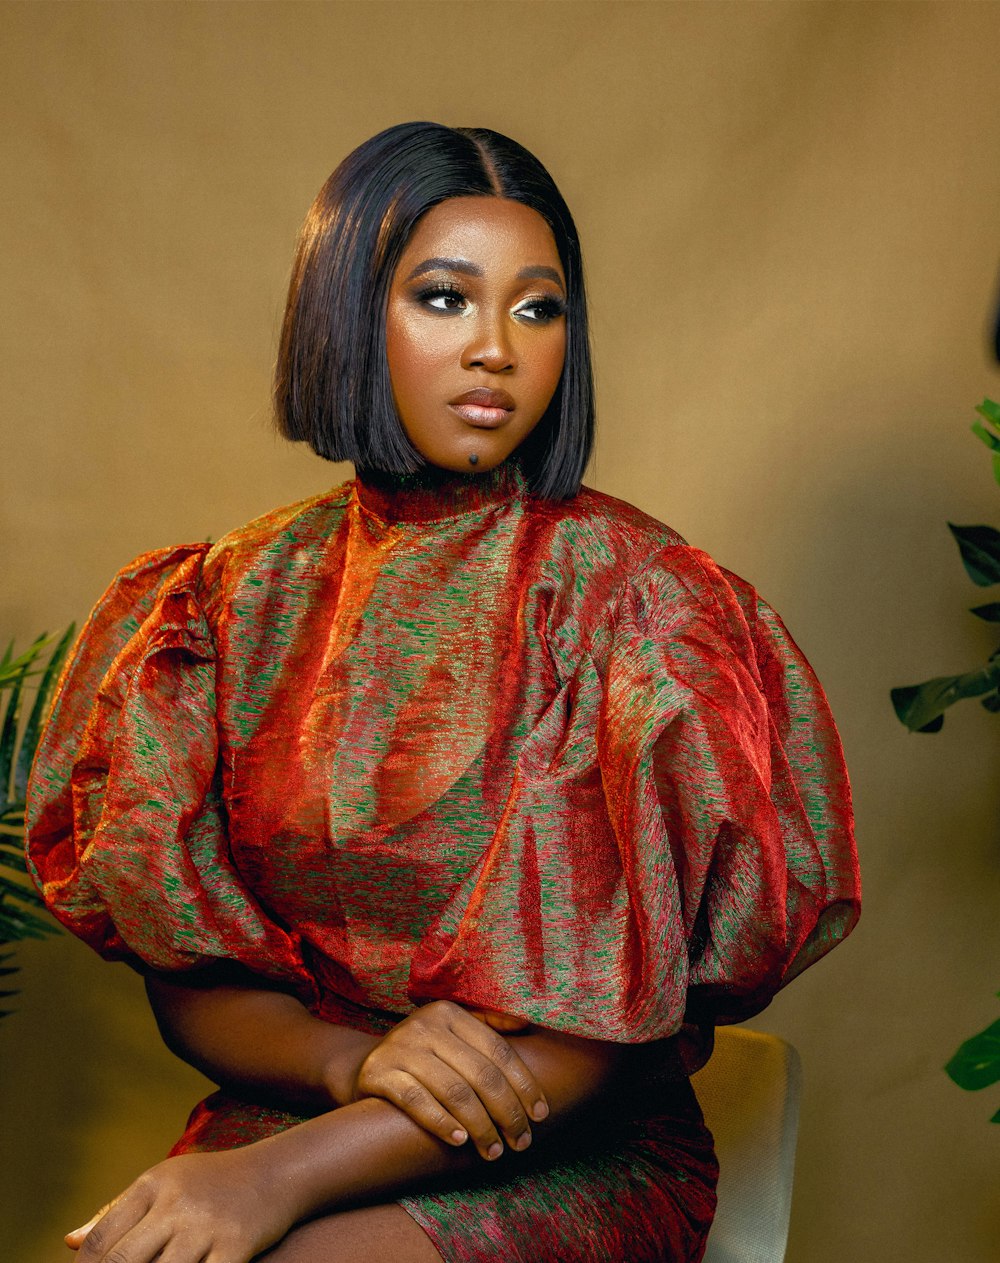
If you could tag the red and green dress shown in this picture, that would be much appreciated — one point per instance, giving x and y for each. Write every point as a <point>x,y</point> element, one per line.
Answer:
<point>432,737</point>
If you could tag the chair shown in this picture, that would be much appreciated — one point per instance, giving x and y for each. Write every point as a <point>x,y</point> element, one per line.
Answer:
<point>749,1093</point>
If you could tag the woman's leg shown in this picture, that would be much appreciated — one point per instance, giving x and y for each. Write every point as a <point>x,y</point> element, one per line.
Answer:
<point>374,1234</point>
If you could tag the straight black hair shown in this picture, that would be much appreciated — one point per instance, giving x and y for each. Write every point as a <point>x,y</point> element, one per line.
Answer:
<point>331,381</point>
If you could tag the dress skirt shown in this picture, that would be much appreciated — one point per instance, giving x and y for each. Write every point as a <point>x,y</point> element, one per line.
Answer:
<point>631,1181</point>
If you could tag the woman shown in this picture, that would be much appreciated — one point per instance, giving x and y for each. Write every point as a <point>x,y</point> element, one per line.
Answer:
<point>445,812</point>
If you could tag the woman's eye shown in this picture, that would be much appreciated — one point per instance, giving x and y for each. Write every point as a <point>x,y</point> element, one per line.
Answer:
<point>442,298</point>
<point>543,309</point>
<point>446,298</point>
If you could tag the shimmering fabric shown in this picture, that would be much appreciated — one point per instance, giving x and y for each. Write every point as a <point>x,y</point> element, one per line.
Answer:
<point>434,737</point>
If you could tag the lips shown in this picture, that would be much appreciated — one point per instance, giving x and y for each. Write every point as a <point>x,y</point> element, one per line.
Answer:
<point>483,407</point>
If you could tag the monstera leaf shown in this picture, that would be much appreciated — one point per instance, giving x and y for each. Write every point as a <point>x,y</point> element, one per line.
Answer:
<point>921,707</point>
<point>977,1063</point>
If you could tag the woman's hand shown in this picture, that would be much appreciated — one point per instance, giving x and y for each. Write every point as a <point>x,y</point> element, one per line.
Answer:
<point>211,1207</point>
<point>452,1072</point>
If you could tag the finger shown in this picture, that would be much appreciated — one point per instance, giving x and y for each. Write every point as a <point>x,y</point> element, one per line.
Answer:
<point>451,1093</point>
<point>74,1238</point>
<point>142,1243</point>
<point>177,1251</point>
<point>503,1055</point>
<point>411,1094</point>
<point>120,1217</point>
<point>488,1083</point>
<point>506,1023</point>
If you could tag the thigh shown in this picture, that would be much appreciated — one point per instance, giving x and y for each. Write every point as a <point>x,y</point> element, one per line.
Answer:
<point>614,1189</point>
<point>376,1234</point>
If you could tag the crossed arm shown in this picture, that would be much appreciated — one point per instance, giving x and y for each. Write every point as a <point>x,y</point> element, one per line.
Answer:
<point>445,1089</point>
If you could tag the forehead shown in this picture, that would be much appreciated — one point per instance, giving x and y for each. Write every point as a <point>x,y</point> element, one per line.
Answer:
<point>485,230</point>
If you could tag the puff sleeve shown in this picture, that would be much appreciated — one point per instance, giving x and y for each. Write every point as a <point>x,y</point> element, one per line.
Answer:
<point>678,843</point>
<point>723,769</point>
<point>125,822</point>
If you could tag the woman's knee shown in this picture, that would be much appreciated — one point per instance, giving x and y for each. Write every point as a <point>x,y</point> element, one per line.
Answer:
<point>376,1234</point>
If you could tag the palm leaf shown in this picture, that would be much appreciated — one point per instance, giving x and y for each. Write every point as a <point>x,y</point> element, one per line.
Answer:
<point>22,912</point>
<point>32,729</point>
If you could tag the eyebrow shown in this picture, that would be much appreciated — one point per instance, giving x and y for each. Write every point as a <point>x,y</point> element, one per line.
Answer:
<point>536,271</point>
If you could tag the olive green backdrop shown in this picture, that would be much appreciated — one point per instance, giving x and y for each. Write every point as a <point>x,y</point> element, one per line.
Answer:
<point>789,214</point>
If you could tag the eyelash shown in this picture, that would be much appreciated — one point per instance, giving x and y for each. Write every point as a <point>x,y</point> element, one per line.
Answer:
<point>550,307</point>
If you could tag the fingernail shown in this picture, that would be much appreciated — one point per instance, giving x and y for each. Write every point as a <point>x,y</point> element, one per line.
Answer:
<point>539,1110</point>
<point>459,1136</point>
<point>495,1150</point>
<point>523,1140</point>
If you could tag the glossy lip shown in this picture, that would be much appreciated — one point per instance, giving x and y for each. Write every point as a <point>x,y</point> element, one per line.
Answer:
<point>485,398</point>
<point>481,418</point>
<point>483,408</point>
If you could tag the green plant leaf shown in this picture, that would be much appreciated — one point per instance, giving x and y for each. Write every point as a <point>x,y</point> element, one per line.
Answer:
<point>13,669</point>
<point>12,888</point>
<point>976,1064</point>
<point>991,440</point>
<point>12,859</point>
<point>17,923</point>
<point>990,612</point>
<point>990,409</point>
<point>29,738</point>
<point>8,734</point>
<point>921,707</point>
<point>991,702</point>
<point>980,549</point>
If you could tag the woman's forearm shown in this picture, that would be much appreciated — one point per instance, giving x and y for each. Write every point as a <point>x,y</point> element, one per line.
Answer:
<point>370,1150</point>
<point>239,1202</point>
<point>257,1041</point>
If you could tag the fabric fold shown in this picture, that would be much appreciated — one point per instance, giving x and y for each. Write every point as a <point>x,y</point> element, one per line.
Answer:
<point>677,843</point>
<point>125,818</point>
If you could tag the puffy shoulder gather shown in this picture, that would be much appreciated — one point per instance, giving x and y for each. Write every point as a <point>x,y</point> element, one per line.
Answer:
<point>718,745</point>
<point>125,825</point>
<point>686,812</point>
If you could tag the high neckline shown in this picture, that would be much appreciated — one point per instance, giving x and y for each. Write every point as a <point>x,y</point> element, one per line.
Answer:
<point>433,494</point>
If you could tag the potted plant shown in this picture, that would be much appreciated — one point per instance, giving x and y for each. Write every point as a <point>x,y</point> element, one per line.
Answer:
<point>921,708</point>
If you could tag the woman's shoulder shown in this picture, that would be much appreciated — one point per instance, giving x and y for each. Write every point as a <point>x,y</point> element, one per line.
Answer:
<point>620,523</point>
<point>274,538</point>
<point>603,541</point>
<point>632,559</point>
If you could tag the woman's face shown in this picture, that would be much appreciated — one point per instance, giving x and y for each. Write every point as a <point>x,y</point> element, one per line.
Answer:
<point>477,304</point>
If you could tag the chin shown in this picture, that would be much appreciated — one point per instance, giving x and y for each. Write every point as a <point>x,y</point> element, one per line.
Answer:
<point>458,462</point>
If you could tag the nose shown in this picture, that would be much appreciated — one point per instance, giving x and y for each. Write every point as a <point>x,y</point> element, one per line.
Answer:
<point>490,345</point>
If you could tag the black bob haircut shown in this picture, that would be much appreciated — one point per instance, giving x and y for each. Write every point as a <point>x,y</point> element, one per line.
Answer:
<point>331,382</point>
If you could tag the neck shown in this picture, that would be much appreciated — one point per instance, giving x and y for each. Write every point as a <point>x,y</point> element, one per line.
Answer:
<point>433,493</point>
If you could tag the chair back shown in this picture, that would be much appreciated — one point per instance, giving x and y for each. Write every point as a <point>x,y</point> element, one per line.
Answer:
<point>749,1093</point>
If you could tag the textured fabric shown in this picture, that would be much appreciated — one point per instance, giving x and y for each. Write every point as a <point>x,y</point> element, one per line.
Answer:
<point>433,737</point>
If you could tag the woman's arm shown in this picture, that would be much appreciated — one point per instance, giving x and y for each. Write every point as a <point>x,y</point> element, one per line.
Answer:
<point>241,1201</point>
<point>259,1041</point>
<point>453,1074</point>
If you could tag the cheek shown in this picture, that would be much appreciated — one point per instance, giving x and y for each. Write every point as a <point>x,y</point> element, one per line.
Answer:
<point>414,344</point>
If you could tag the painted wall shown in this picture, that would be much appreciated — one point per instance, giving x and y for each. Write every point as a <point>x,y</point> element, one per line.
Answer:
<point>789,213</point>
